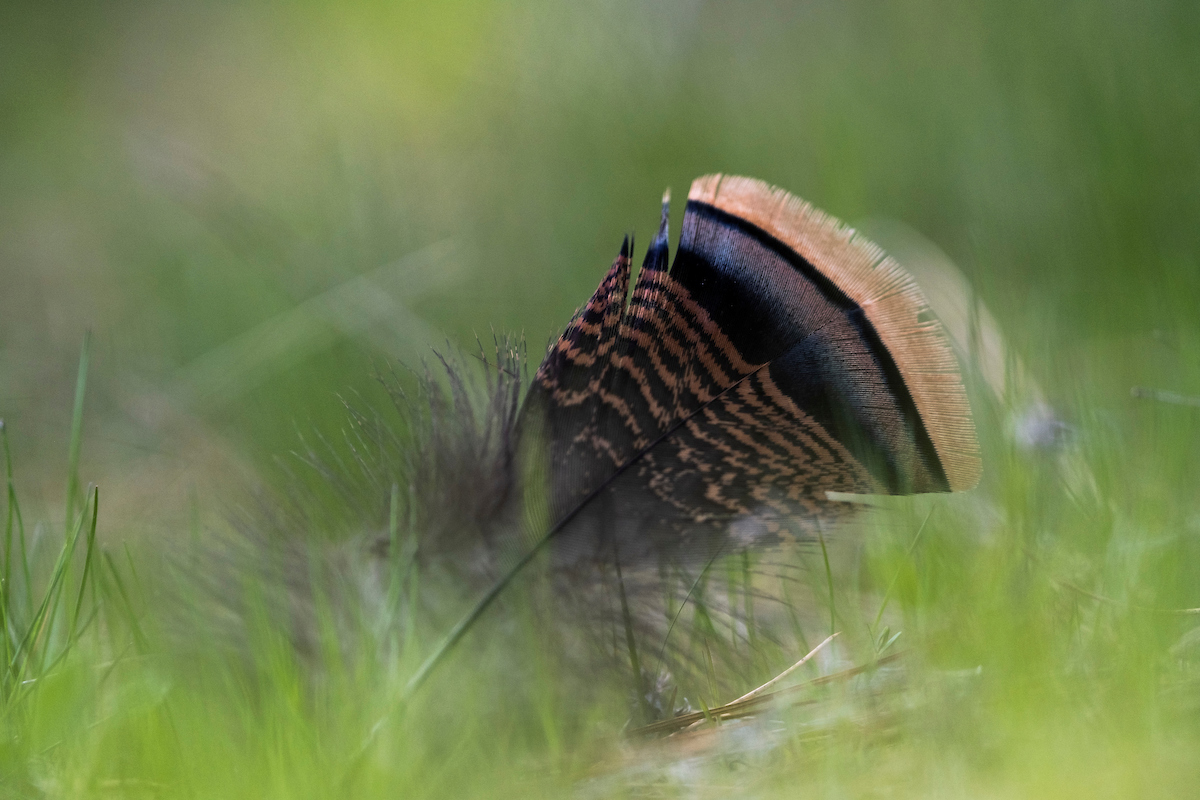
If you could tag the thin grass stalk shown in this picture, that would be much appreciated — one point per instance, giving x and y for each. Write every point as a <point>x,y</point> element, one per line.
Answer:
<point>113,574</point>
<point>26,571</point>
<point>892,585</point>
<point>631,645</point>
<point>12,515</point>
<point>748,602</point>
<point>395,586</point>
<point>412,576</point>
<point>829,580</point>
<point>675,618</point>
<point>74,450</point>
<point>76,440</point>
<point>89,550</point>
<point>6,588</point>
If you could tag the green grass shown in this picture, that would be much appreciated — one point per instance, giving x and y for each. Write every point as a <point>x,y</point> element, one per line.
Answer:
<point>257,209</point>
<point>1038,631</point>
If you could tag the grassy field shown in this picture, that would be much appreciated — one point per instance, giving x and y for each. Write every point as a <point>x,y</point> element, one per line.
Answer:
<point>242,215</point>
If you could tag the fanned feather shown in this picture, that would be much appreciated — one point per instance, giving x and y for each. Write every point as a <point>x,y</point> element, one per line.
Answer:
<point>781,358</point>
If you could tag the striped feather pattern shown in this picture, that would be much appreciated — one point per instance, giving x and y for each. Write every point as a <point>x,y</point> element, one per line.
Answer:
<point>718,406</point>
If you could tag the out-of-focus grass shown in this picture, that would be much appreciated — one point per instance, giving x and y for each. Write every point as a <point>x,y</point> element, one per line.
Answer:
<point>250,207</point>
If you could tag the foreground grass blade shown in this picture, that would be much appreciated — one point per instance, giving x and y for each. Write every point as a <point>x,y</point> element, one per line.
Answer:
<point>89,550</point>
<point>77,426</point>
<point>32,630</point>
<point>43,619</point>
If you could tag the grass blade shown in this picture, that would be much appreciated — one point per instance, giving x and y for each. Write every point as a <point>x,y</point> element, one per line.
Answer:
<point>77,426</point>
<point>139,639</point>
<point>829,579</point>
<point>6,587</point>
<point>888,594</point>
<point>90,549</point>
<point>20,660</point>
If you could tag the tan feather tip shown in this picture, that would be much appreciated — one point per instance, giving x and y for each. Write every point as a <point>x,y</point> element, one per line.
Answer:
<point>888,295</point>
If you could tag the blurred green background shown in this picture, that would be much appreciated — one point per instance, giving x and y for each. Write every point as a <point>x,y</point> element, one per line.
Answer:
<point>254,207</point>
<point>183,178</point>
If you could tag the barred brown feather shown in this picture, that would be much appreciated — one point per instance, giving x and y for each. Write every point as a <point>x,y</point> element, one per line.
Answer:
<point>780,358</point>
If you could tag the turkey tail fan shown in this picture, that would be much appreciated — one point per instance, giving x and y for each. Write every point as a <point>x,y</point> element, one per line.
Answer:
<point>779,358</point>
